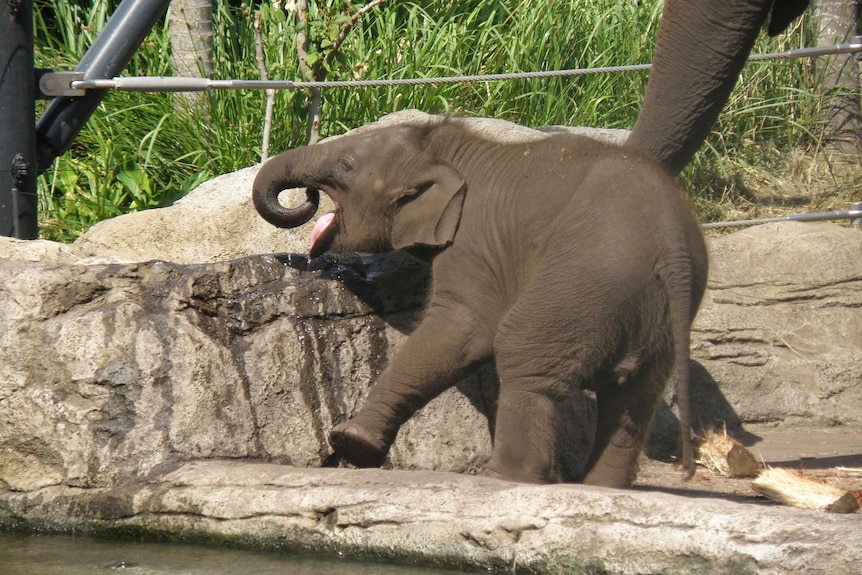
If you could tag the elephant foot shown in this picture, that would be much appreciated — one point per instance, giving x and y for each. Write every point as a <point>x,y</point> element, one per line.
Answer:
<point>354,445</point>
<point>537,478</point>
<point>494,475</point>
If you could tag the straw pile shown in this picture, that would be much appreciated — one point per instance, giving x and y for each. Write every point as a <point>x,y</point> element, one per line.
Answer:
<point>722,454</point>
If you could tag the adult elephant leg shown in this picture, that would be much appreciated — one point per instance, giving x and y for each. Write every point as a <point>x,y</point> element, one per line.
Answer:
<point>444,349</point>
<point>701,48</point>
<point>625,412</point>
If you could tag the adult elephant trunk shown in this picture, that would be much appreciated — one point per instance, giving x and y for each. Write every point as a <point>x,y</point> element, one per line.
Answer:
<point>701,48</point>
<point>278,174</point>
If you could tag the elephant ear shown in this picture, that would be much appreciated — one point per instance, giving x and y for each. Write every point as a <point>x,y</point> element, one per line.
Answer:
<point>428,213</point>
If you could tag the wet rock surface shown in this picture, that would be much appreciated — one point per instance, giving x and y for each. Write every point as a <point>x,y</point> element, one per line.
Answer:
<point>163,391</point>
<point>111,372</point>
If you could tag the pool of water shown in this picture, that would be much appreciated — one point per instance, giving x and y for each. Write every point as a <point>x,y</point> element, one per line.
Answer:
<point>22,554</point>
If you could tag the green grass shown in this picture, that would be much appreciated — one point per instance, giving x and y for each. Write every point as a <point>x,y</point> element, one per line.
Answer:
<point>136,152</point>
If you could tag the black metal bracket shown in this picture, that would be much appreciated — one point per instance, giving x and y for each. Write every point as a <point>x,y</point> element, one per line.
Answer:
<point>109,54</point>
<point>20,169</point>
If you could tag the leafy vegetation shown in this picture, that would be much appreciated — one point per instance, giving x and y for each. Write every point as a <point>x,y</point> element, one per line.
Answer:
<point>136,152</point>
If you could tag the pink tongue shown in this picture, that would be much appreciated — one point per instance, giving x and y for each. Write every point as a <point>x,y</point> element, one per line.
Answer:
<point>324,222</point>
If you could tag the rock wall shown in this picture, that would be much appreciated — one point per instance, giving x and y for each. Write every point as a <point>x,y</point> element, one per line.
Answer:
<point>780,329</point>
<point>111,372</point>
<point>778,338</point>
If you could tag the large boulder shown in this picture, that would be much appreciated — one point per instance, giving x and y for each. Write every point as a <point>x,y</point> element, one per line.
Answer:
<point>217,222</point>
<point>780,329</point>
<point>111,372</point>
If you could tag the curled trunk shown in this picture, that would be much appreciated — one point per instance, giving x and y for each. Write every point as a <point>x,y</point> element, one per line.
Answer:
<point>274,177</point>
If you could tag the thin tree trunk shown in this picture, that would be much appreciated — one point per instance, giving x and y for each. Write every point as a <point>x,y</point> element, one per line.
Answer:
<point>270,94</point>
<point>312,131</point>
<point>191,31</point>
<point>315,100</point>
<point>838,21</point>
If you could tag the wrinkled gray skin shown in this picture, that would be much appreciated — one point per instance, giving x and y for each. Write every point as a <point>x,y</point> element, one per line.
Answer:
<point>568,262</point>
<point>701,48</point>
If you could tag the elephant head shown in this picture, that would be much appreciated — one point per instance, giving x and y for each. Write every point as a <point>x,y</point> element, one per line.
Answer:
<point>389,189</point>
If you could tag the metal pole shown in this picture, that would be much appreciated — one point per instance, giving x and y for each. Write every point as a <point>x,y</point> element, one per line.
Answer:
<point>107,57</point>
<point>858,207</point>
<point>18,202</point>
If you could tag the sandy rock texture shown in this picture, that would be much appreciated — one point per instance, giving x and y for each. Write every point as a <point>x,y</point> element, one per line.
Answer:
<point>780,329</point>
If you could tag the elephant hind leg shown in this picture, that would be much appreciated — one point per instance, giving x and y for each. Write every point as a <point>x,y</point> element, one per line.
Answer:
<point>625,413</point>
<point>540,361</point>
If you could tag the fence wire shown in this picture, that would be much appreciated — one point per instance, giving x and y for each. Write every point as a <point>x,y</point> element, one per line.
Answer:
<point>187,84</point>
<point>184,84</point>
<point>854,214</point>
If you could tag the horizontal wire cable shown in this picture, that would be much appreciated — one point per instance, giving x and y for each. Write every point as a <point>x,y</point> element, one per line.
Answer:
<point>852,213</point>
<point>185,84</point>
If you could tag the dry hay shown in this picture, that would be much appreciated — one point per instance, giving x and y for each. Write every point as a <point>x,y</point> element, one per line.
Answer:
<point>722,454</point>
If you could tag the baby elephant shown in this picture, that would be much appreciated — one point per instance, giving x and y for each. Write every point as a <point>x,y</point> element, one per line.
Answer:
<point>569,262</point>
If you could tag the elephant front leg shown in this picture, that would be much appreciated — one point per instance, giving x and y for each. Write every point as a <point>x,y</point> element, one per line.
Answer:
<point>444,349</point>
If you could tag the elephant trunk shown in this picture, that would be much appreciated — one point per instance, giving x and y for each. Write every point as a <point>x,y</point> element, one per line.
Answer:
<point>701,49</point>
<point>276,175</point>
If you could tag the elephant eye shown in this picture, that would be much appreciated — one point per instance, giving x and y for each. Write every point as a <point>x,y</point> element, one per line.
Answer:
<point>346,163</point>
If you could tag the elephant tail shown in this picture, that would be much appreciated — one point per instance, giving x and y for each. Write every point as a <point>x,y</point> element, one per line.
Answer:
<point>682,344</point>
<point>685,285</point>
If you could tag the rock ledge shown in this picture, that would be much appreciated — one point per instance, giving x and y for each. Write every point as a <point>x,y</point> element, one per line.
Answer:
<point>454,520</point>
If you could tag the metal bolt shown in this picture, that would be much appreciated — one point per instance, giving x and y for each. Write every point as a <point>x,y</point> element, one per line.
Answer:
<point>20,168</point>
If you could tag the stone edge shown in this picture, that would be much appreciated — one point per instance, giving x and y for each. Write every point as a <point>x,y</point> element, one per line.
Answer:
<point>448,520</point>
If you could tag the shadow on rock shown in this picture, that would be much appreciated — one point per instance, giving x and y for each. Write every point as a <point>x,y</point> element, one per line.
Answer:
<point>709,410</point>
